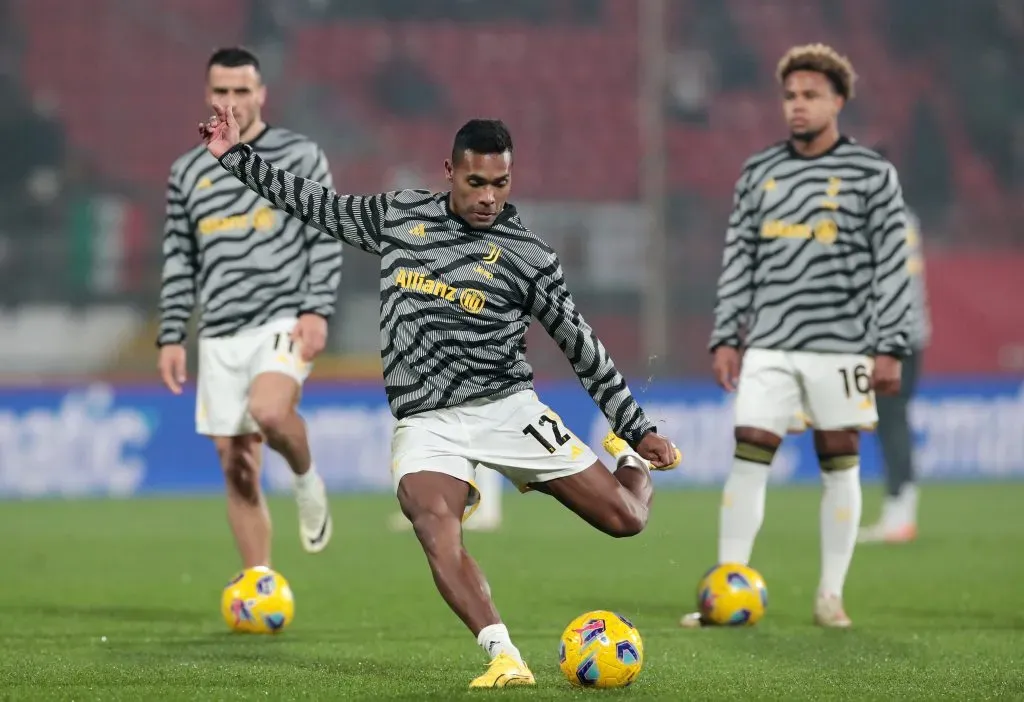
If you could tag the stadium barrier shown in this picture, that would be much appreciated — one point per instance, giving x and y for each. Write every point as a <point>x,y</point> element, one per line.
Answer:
<point>101,439</point>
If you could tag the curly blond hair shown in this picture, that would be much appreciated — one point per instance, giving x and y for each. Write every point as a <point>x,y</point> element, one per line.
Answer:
<point>823,59</point>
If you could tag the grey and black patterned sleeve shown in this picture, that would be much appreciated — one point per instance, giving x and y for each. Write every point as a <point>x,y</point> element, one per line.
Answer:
<point>178,281</point>
<point>551,303</point>
<point>354,219</point>
<point>736,282</point>
<point>325,253</point>
<point>887,232</point>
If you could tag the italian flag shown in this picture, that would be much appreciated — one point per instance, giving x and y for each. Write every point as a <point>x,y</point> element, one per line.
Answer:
<point>108,240</point>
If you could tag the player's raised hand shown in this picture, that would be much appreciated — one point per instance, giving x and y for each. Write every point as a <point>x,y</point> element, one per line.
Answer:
<point>220,132</point>
<point>171,364</point>
<point>726,367</point>
<point>659,451</point>
<point>310,333</point>
<point>885,380</point>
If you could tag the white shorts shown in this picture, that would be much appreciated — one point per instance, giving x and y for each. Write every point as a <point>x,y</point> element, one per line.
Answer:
<point>787,391</point>
<point>227,366</point>
<point>518,436</point>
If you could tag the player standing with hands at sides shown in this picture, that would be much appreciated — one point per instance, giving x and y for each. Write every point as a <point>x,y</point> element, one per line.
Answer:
<point>815,277</point>
<point>460,278</point>
<point>266,286</point>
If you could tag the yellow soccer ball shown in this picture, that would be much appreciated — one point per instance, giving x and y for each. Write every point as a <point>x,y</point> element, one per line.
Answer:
<point>601,649</point>
<point>732,594</point>
<point>257,601</point>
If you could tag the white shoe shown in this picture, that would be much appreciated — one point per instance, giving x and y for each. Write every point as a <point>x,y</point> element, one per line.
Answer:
<point>315,526</point>
<point>898,524</point>
<point>881,533</point>
<point>692,620</point>
<point>829,613</point>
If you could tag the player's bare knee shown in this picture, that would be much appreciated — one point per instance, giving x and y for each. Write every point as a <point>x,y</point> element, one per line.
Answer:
<point>837,450</point>
<point>270,414</point>
<point>840,442</point>
<point>629,523</point>
<point>757,437</point>
<point>627,519</point>
<point>756,446</point>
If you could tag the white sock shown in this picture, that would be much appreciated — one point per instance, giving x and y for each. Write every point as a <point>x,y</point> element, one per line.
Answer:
<point>494,640</point>
<point>307,479</point>
<point>490,483</point>
<point>742,511</point>
<point>840,515</point>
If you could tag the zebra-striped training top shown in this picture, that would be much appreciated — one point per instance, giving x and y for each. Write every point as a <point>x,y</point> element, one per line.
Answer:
<point>247,261</point>
<point>816,255</point>
<point>455,302</point>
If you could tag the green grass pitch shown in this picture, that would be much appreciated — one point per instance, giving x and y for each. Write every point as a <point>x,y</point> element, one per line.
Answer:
<point>942,618</point>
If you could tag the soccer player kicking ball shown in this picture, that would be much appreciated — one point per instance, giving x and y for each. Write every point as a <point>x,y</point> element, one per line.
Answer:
<point>815,273</point>
<point>460,278</point>
<point>266,286</point>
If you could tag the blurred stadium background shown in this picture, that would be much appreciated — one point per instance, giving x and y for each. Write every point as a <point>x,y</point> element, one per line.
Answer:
<point>617,107</point>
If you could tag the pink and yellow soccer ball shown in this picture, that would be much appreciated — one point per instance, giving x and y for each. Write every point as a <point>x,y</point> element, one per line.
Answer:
<point>601,649</point>
<point>732,594</point>
<point>258,601</point>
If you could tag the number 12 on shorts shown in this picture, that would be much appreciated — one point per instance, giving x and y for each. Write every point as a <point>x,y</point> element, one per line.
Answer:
<point>858,380</point>
<point>558,435</point>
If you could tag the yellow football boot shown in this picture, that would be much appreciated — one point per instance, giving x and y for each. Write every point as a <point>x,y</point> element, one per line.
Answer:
<point>504,671</point>
<point>616,447</point>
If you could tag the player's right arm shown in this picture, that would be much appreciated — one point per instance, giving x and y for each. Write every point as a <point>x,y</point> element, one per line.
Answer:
<point>354,219</point>
<point>177,286</point>
<point>735,284</point>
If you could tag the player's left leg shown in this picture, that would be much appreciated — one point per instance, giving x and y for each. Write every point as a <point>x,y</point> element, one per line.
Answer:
<point>527,442</point>
<point>277,376</point>
<point>617,504</point>
<point>839,458</point>
<point>841,404</point>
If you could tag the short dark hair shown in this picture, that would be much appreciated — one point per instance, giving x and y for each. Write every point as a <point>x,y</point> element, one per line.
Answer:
<point>233,57</point>
<point>482,136</point>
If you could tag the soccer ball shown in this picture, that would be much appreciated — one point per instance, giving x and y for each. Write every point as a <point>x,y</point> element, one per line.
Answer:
<point>601,649</point>
<point>732,594</point>
<point>257,601</point>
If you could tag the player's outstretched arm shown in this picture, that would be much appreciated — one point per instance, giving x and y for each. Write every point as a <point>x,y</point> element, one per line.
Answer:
<point>551,303</point>
<point>325,253</point>
<point>355,219</point>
